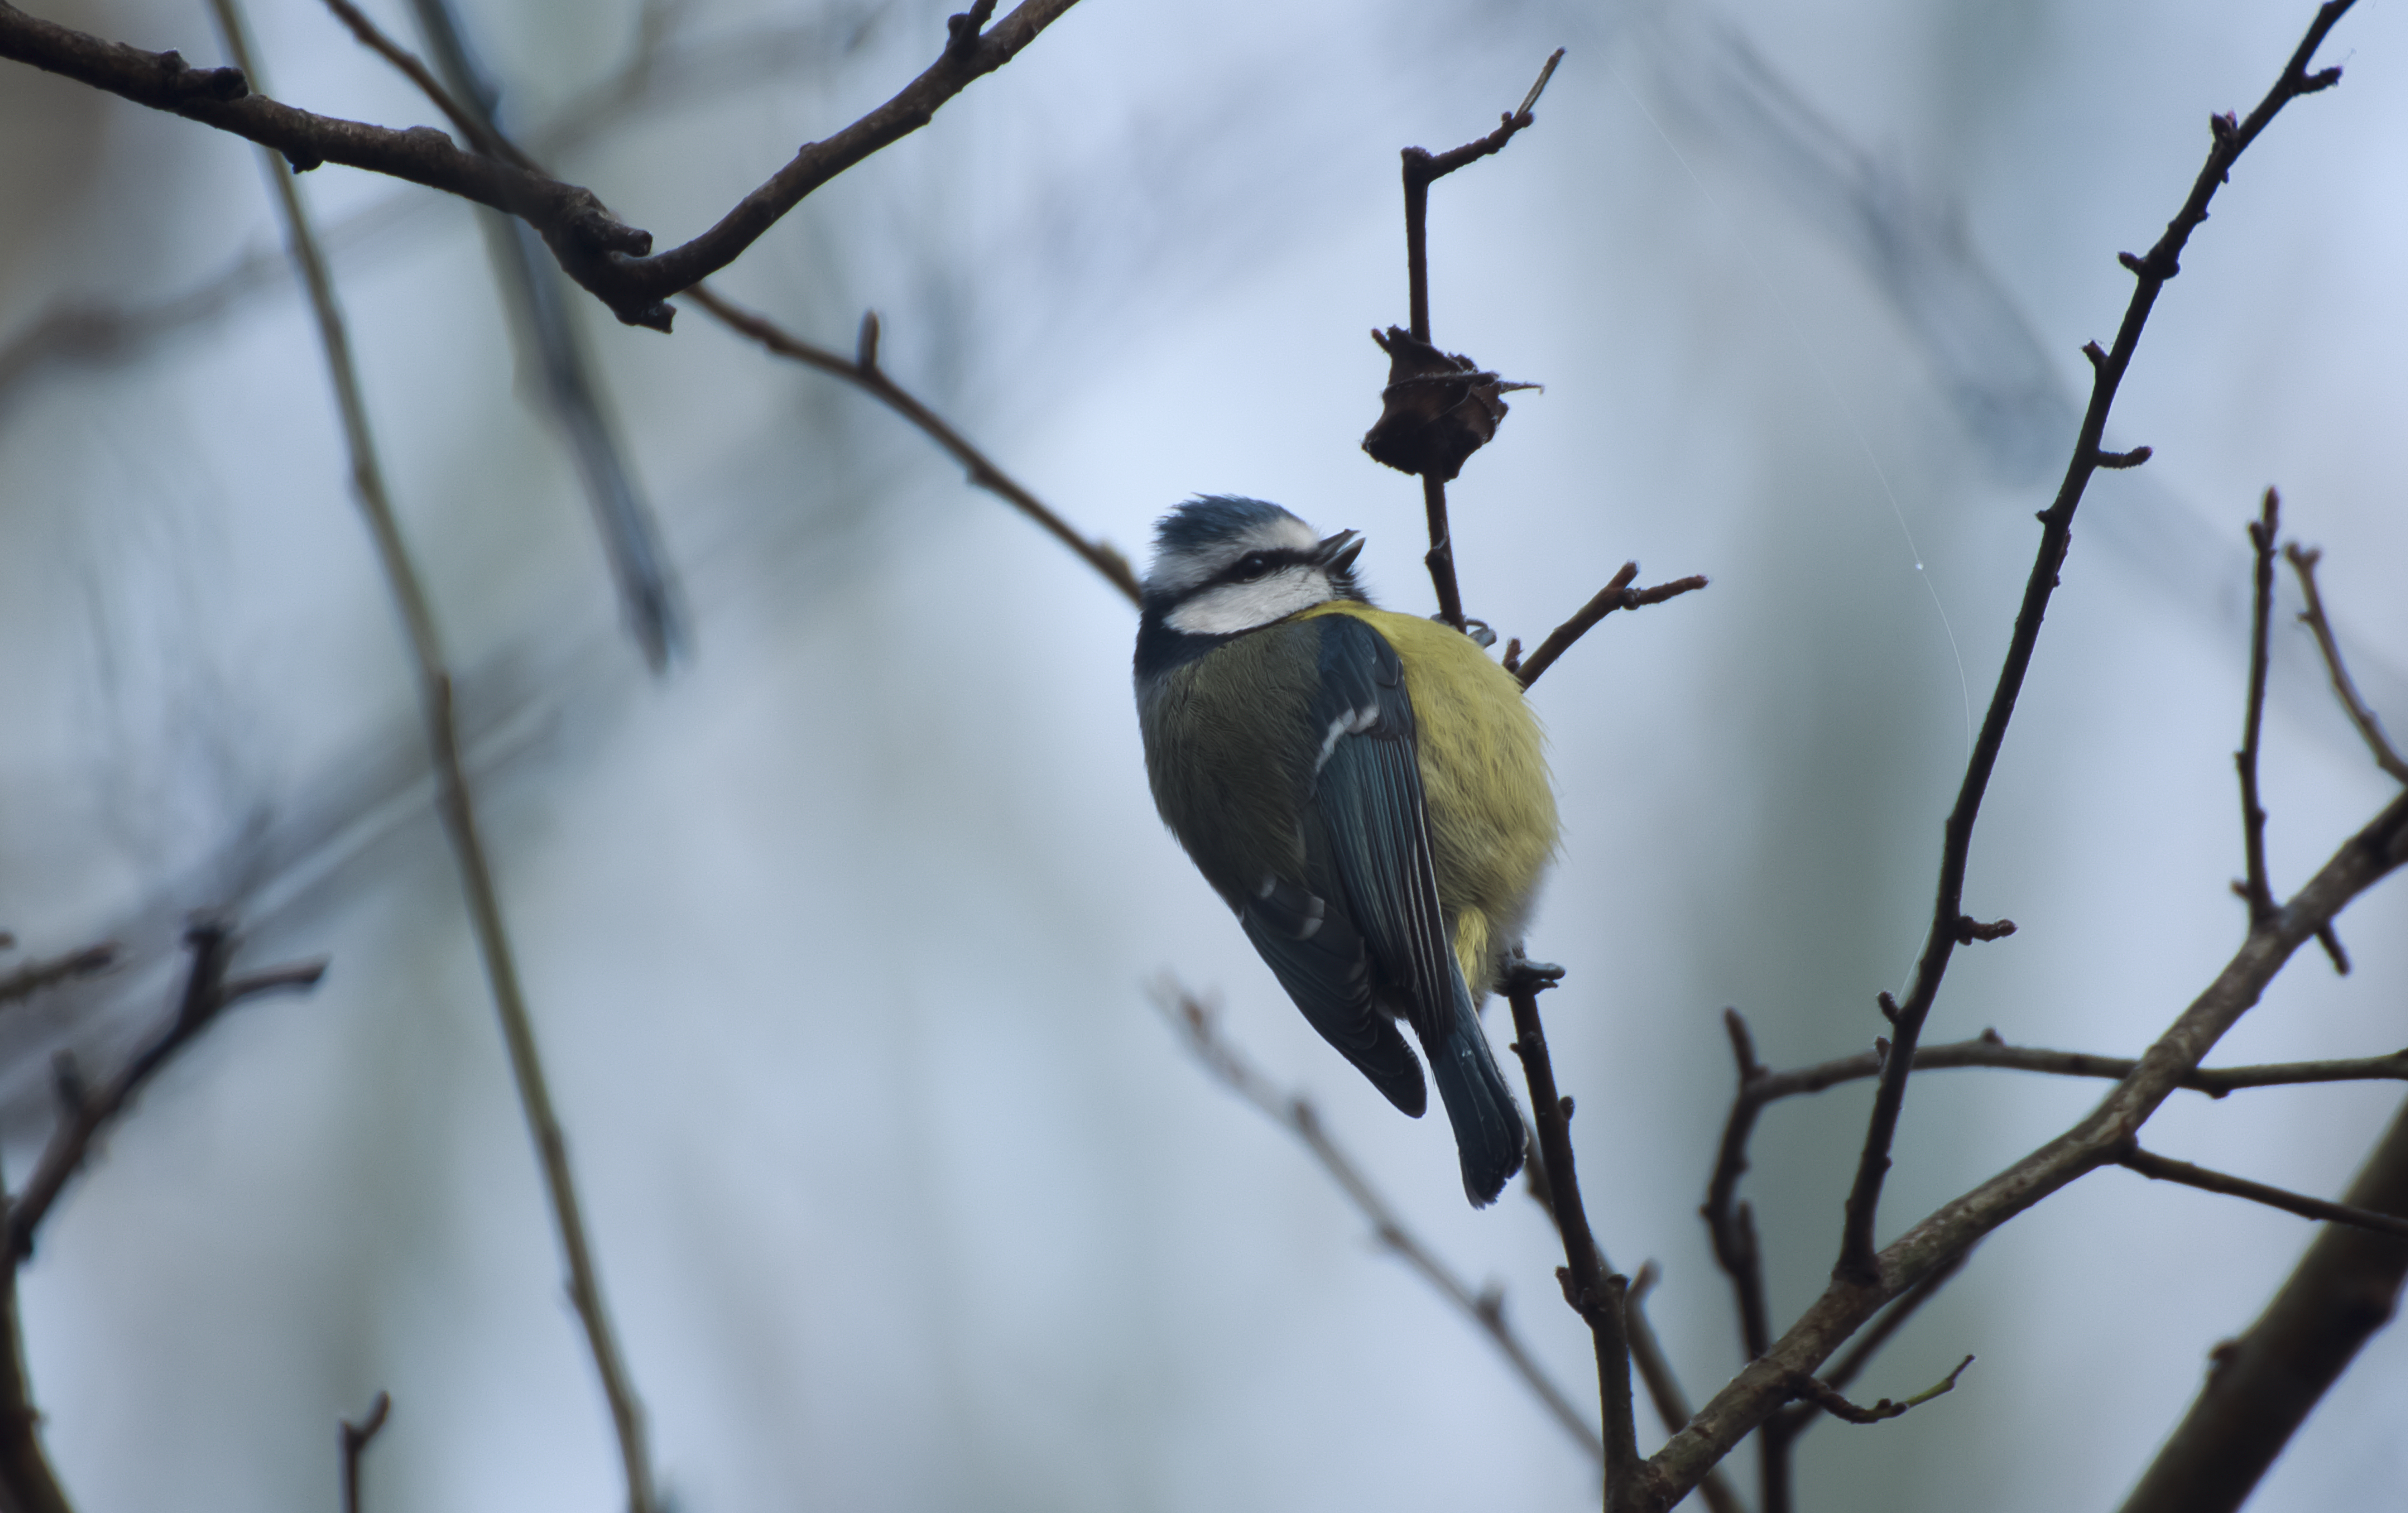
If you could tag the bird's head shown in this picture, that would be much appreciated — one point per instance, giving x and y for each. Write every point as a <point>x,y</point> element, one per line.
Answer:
<point>1224,564</point>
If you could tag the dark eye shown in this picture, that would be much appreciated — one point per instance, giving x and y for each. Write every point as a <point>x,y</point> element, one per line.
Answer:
<point>1252,566</point>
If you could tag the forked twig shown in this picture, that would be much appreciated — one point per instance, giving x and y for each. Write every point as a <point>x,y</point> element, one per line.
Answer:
<point>1858,1263</point>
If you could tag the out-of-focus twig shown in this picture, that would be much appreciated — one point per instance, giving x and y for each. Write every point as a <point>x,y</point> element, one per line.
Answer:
<point>647,595</point>
<point>611,259</point>
<point>355,1440</point>
<point>2303,562</point>
<point>863,372</point>
<point>1198,1025</point>
<point>34,976</point>
<point>458,810</point>
<point>28,1484</point>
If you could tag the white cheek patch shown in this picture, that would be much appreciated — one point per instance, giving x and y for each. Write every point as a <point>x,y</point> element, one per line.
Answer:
<point>1230,608</point>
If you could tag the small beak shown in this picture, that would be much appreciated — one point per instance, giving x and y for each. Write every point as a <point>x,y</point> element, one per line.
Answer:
<point>1337,553</point>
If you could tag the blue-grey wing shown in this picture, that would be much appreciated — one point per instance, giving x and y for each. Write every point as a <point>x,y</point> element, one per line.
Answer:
<point>1366,796</point>
<point>1315,952</point>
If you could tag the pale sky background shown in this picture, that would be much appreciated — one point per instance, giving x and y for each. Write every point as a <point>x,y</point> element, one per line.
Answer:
<point>839,938</point>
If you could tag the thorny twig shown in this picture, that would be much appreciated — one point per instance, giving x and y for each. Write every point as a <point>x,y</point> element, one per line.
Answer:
<point>458,810</point>
<point>1857,1263</point>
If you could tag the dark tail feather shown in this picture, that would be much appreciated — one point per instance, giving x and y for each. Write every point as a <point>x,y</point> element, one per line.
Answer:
<point>1487,1127</point>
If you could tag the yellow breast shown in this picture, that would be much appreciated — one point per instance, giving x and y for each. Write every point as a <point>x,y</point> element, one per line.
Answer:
<point>1492,805</point>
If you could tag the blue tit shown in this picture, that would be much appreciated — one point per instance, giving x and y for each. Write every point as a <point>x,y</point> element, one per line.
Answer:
<point>1366,791</point>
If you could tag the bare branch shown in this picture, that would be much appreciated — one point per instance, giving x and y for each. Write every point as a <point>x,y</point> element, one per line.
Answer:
<point>1593,1293</point>
<point>1831,1402</point>
<point>1845,1306</point>
<point>1664,1386</point>
<point>2303,563</point>
<point>479,132</point>
<point>1617,594</point>
<point>356,1439</point>
<point>1421,168</point>
<point>2256,891</point>
<point>458,810</point>
<point>34,976</point>
<point>596,249</point>
<point>2163,1169</point>
<point>1857,1258</point>
<point>863,373</point>
<point>1197,1025</point>
<point>2260,1387</point>
<point>206,994</point>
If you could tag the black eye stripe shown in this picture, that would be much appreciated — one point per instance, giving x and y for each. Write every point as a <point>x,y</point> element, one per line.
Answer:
<point>1257,565</point>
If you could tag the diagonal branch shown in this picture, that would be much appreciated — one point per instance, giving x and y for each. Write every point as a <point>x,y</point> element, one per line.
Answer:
<point>2303,562</point>
<point>2164,1169</point>
<point>2262,1386</point>
<point>458,809</point>
<point>611,259</point>
<point>1617,594</point>
<point>2362,861</point>
<point>1195,1022</point>
<point>863,372</point>
<point>1857,1261</point>
<point>34,976</point>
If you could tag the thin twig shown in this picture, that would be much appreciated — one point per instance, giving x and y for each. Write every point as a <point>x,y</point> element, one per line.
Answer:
<point>1823,1396</point>
<point>1200,1028</point>
<point>458,810</point>
<point>2363,860</point>
<point>479,132</point>
<point>2264,1384</point>
<point>86,1112</point>
<point>1593,1293</point>
<point>863,372</point>
<point>1617,595</point>
<point>2256,891</point>
<point>1731,1225</point>
<point>556,353</point>
<point>2303,563</point>
<point>611,259</point>
<point>1664,1388</point>
<point>2164,1169</point>
<point>355,1440</point>
<point>1422,168</point>
<point>1989,1051</point>
<point>1858,1259</point>
<point>34,976</point>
